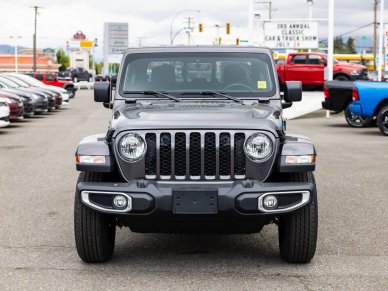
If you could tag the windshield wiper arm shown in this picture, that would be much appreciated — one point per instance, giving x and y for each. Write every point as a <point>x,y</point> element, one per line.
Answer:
<point>154,93</point>
<point>215,93</point>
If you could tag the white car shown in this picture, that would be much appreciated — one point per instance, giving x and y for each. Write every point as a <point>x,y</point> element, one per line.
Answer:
<point>4,114</point>
<point>36,83</point>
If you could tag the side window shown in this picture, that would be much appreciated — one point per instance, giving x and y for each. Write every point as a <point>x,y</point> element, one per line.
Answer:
<point>298,59</point>
<point>315,60</point>
<point>50,78</point>
<point>39,77</point>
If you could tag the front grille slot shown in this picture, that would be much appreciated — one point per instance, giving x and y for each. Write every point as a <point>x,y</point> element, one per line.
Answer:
<point>180,154</point>
<point>165,154</point>
<point>195,155</point>
<point>210,154</point>
<point>150,159</point>
<point>239,156</point>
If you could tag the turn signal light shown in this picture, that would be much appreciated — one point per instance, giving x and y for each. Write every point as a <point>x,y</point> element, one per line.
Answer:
<point>294,160</point>
<point>90,159</point>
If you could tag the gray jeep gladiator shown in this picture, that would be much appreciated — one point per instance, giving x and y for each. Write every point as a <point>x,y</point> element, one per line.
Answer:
<point>196,144</point>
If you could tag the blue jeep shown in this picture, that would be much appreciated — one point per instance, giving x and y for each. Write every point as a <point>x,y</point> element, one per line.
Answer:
<point>370,99</point>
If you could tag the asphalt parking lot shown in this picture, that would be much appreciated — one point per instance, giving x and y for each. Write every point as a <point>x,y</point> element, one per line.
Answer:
<point>37,249</point>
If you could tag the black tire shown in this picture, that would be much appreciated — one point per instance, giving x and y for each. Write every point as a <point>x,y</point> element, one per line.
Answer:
<point>382,120</point>
<point>94,232</point>
<point>341,78</point>
<point>298,231</point>
<point>355,120</point>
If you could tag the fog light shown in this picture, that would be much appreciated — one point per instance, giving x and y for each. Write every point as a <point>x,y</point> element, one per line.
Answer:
<point>270,201</point>
<point>120,201</point>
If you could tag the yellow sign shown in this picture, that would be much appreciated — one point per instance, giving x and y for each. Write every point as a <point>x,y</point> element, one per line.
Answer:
<point>261,85</point>
<point>86,44</point>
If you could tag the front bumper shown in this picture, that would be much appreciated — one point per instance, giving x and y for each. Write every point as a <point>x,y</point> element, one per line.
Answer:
<point>40,106</point>
<point>150,198</point>
<point>363,75</point>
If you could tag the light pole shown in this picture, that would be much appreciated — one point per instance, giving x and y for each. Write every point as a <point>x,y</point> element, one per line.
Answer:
<point>34,37</point>
<point>175,16</point>
<point>381,34</point>
<point>269,8</point>
<point>16,51</point>
<point>310,3</point>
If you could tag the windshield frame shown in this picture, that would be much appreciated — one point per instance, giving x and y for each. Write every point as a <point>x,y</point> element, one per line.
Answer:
<point>272,94</point>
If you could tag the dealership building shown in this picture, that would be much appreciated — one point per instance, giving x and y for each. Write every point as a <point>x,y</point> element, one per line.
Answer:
<point>45,61</point>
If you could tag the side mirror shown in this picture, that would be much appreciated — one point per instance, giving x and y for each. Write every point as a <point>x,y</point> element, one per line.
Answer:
<point>293,91</point>
<point>102,92</point>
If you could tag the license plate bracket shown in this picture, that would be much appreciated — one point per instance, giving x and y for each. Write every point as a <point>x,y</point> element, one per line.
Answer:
<point>195,201</point>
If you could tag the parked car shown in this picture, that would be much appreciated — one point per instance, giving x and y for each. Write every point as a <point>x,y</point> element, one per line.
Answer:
<point>33,103</point>
<point>370,99</point>
<point>338,96</point>
<point>52,80</point>
<point>309,69</point>
<point>4,113</point>
<point>210,156</point>
<point>15,105</point>
<point>54,99</point>
<point>31,81</point>
<point>76,74</point>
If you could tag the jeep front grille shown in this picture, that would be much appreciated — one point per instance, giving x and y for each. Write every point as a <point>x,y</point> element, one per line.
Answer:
<point>195,155</point>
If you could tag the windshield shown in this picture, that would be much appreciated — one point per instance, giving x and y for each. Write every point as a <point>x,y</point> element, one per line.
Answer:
<point>8,83</point>
<point>236,74</point>
<point>18,81</point>
<point>30,80</point>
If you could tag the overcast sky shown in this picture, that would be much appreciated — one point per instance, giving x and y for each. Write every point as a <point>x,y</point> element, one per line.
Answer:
<point>150,20</point>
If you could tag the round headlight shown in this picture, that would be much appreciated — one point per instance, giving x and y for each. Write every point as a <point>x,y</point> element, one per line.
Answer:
<point>258,146</point>
<point>132,147</point>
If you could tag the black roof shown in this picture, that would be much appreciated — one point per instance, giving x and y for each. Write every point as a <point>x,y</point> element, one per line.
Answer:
<point>178,49</point>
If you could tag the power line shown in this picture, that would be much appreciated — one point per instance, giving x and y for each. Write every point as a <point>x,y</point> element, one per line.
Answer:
<point>349,32</point>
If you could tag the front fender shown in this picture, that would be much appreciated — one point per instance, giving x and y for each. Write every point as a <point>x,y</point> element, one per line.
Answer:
<point>92,146</point>
<point>296,146</point>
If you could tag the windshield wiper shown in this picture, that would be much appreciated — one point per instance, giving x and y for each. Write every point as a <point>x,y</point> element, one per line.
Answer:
<point>215,93</point>
<point>154,93</point>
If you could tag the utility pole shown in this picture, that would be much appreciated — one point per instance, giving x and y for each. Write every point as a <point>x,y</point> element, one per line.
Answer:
<point>189,27</point>
<point>34,37</point>
<point>381,43</point>
<point>375,4</point>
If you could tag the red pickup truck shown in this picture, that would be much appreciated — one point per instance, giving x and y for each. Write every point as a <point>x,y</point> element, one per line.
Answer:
<point>309,69</point>
<point>52,79</point>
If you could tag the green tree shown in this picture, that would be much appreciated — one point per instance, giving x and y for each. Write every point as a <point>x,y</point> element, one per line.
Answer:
<point>339,45</point>
<point>98,67</point>
<point>62,59</point>
<point>350,46</point>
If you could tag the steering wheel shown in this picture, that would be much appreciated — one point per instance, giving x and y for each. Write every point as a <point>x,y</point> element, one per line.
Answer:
<point>238,85</point>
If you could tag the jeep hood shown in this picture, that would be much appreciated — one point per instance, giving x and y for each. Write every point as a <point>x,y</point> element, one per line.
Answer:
<point>197,116</point>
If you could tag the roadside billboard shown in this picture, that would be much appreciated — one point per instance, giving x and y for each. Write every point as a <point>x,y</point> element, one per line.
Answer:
<point>115,42</point>
<point>291,34</point>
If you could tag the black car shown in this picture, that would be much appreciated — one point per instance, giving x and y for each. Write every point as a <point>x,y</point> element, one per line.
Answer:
<point>196,144</point>
<point>76,74</point>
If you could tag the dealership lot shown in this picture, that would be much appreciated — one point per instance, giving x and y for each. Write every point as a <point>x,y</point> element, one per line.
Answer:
<point>37,249</point>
